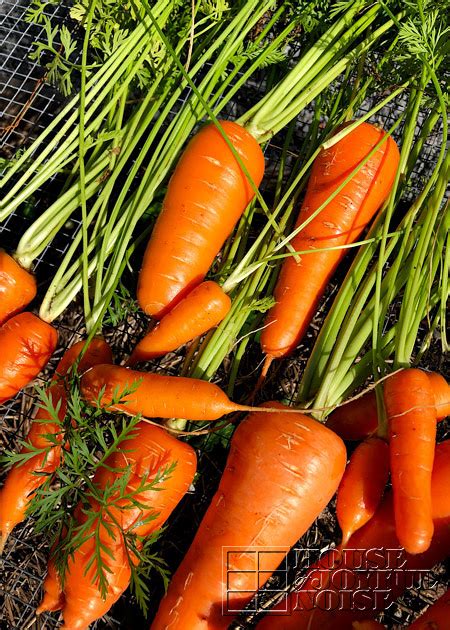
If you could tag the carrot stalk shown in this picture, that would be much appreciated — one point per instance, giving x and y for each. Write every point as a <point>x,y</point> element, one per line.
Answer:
<point>17,287</point>
<point>301,463</point>
<point>202,309</point>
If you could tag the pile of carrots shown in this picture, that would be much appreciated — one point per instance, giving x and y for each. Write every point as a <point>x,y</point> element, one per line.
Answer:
<point>284,467</point>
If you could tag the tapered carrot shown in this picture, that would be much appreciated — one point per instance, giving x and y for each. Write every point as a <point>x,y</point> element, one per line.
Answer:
<point>151,451</point>
<point>358,419</point>
<point>302,283</point>
<point>207,194</point>
<point>17,287</point>
<point>362,486</point>
<point>23,480</point>
<point>202,309</point>
<point>363,579</point>
<point>279,476</point>
<point>436,617</point>
<point>26,343</point>
<point>411,413</point>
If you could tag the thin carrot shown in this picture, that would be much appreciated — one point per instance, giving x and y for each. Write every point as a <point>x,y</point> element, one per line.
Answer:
<point>279,476</point>
<point>409,402</point>
<point>358,419</point>
<point>206,196</point>
<point>149,453</point>
<point>363,579</point>
<point>301,284</point>
<point>362,486</point>
<point>24,479</point>
<point>436,617</point>
<point>202,309</point>
<point>26,343</point>
<point>17,287</point>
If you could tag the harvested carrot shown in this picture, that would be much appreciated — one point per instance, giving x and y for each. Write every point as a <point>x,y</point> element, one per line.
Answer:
<point>23,480</point>
<point>149,453</point>
<point>301,284</point>
<point>207,194</point>
<point>280,474</point>
<point>155,395</point>
<point>359,581</point>
<point>17,287</point>
<point>26,343</point>
<point>358,419</point>
<point>202,309</point>
<point>436,617</point>
<point>411,413</point>
<point>362,486</point>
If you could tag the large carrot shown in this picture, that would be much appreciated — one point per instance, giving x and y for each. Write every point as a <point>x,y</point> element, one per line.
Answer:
<point>302,283</point>
<point>23,480</point>
<point>206,196</point>
<point>26,343</point>
<point>411,414</point>
<point>17,287</point>
<point>155,395</point>
<point>362,486</point>
<point>361,580</point>
<point>202,309</point>
<point>358,419</point>
<point>436,617</point>
<point>149,453</point>
<point>279,476</point>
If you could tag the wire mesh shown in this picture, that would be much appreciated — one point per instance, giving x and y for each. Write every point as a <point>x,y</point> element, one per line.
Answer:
<point>27,104</point>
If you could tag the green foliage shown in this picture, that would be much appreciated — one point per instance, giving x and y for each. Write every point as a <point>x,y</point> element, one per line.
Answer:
<point>121,307</point>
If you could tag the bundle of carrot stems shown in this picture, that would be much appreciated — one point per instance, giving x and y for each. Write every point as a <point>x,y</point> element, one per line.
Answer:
<point>148,154</point>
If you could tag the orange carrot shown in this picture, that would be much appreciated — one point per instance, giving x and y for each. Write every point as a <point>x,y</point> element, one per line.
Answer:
<point>362,486</point>
<point>279,476</point>
<point>301,284</point>
<point>436,617</point>
<point>359,582</point>
<point>24,479</point>
<point>207,194</point>
<point>358,419</point>
<point>150,452</point>
<point>26,343</point>
<point>17,287</point>
<point>155,395</point>
<point>411,413</point>
<point>202,309</point>
<point>368,624</point>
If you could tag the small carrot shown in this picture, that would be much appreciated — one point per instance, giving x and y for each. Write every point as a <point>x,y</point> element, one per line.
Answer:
<point>26,343</point>
<point>362,486</point>
<point>148,453</point>
<point>301,284</point>
<point>411,414</point>
<point>155,395</point>
<point>279,476</point>
<point>358,419</point>
<point>436,616</point>
<point>17,287</point>
<point>207,194</point>
<point>24,479</point>
<point>202,309</point>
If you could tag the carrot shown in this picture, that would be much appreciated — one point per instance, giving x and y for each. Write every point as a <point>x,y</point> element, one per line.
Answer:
<point>362,486</point>
<point>150,452</point>
<point>301,284</point>
<point>436,617</point>
<point>202,309</point>
<point>368,624</point>
<point>358,419</point>
<point>279,476</point>
<point>26,343</point>
<point>206,196</point>
<point>359,581</point>
<point>156,395</point>
<point>411,413</point>
<point>17,287</point>
<point>24,479</point>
